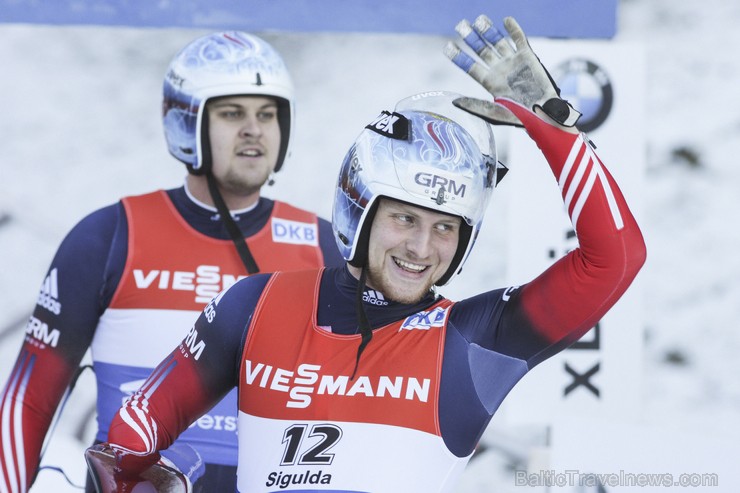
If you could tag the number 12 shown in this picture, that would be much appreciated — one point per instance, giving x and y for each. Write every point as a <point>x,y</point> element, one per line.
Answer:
<point>315,453</point>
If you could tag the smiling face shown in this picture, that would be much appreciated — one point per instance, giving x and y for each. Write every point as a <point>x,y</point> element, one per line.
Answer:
<point>409,249</point>
<point>245,143</point>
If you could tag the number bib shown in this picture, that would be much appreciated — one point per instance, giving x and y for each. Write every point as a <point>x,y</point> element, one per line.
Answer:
<point>305,426</point>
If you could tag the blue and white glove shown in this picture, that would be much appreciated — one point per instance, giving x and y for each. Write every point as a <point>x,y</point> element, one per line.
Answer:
<point>507,70</point>
<point>185,459</point>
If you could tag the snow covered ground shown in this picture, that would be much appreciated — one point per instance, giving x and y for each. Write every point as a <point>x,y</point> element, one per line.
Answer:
<point>80,127</point>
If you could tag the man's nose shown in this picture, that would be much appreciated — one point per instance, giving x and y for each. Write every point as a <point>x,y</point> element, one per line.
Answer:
<point>250,126</point>
<point>419,243</point>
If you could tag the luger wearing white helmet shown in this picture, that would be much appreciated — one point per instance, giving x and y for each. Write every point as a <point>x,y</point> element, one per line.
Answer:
<point>229,63</point>
<point>428,153</point>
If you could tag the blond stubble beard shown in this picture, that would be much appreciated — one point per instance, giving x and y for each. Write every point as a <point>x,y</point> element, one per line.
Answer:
<point>380,283</point>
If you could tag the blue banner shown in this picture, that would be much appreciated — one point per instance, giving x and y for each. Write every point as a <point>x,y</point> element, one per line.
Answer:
<point>545,18</point>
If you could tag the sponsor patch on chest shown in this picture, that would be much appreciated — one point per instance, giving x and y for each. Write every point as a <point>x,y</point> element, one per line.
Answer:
<point>294,232</point>
<point>425,320</point>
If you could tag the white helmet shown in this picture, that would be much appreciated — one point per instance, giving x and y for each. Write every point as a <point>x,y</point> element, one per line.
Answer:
<point>221,64</point>
<point>428,153</point>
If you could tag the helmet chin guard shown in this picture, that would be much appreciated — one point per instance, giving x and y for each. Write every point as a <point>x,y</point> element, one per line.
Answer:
<point>427,153</point>
<point>229,63</point>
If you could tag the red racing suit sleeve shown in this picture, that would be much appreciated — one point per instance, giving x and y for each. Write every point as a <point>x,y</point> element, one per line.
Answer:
<point>57,335</point>
<point>26,410</point>
<point>155,415</point>
<point>193,378</point>
<point>570,297</point>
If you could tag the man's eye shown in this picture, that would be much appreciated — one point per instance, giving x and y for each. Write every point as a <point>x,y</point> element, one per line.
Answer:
<point>267,116</point>
<point>231,115</point>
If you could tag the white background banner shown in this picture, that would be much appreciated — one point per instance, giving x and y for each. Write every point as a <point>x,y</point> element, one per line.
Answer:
<point>600,374</point>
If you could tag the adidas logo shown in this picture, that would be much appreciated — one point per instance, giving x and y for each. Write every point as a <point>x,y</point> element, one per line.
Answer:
<point>374,297</point>
<point>49,294</point>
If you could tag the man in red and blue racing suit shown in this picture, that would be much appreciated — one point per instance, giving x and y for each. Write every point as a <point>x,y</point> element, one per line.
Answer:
<point>362,378</point>
<point>130,278</point>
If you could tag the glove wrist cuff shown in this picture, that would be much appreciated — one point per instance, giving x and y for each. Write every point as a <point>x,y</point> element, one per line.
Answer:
<point>560,111</point>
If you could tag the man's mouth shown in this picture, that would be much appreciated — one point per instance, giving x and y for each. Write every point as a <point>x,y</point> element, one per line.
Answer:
<point>409,266</point>
<point>249,153</point>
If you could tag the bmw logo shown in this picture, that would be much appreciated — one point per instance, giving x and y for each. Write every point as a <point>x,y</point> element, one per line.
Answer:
<point>587,87</point>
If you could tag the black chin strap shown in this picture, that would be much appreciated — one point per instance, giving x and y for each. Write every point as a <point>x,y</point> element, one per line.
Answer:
<point>231,227</point>
<point>362,321</point>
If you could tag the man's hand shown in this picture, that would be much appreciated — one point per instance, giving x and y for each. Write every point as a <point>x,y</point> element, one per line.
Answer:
<point>108,477</point>
<point>115,471</point>
<point>507,71</point>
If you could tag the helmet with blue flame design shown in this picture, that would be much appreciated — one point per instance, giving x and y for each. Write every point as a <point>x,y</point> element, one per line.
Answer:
<point>427,153</point>
<point>229,63</point>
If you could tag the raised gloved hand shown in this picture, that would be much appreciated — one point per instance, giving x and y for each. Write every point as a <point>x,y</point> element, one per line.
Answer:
<point>506,71</point>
